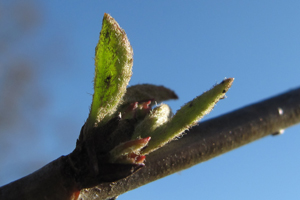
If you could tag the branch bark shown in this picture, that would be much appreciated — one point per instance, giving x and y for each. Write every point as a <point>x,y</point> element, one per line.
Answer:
<point>205,141</point>
<point>208,140</point>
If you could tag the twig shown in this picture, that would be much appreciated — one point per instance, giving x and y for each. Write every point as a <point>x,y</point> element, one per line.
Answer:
<point>209,139</point>
<point>205,141</point>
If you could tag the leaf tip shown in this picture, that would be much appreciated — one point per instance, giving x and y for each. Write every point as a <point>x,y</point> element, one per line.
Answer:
<point>227,82</point>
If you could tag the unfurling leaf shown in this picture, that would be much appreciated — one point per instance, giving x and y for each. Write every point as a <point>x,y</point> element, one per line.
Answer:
<point>157,117</point>
<point>145,92</point>
<point>187,116</point>
<point>129,152</point>
<point>123,119</point>
<point>113,70</point>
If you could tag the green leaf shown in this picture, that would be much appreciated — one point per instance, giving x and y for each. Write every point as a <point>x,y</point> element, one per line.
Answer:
<point>113,70</point>
<point>157,117</point>
<point>187,116</point>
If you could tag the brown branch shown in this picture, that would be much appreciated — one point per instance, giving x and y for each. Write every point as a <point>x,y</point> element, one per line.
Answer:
<point>53,181</point>
<point>211,138</point>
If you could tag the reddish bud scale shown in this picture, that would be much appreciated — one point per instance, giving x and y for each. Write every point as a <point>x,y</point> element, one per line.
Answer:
<point>139,142</point>
<point>136,159</point>
<point>129,113</point>
<point>75,195</point>
<point>146,105</point>
<point>137,110</point>
<point>140,159</point>
<point>129,152</point>
<point>143,109</point>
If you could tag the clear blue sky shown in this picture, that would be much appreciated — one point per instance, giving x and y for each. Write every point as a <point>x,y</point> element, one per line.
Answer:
<point>188,47</point>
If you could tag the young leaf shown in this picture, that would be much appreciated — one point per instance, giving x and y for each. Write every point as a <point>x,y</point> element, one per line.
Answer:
<point>129,152</point>
<point>113,69</point>
<point>187,116</point>
<point>144,92</point>
<point>157,117</point>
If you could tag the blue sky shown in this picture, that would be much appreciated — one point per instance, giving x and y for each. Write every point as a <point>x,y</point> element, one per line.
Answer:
<point>187,47</point>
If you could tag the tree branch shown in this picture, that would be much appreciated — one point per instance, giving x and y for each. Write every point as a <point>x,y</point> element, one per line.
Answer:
<point>205,141</point>
<point>209,139</point>
<point>53,181</point>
